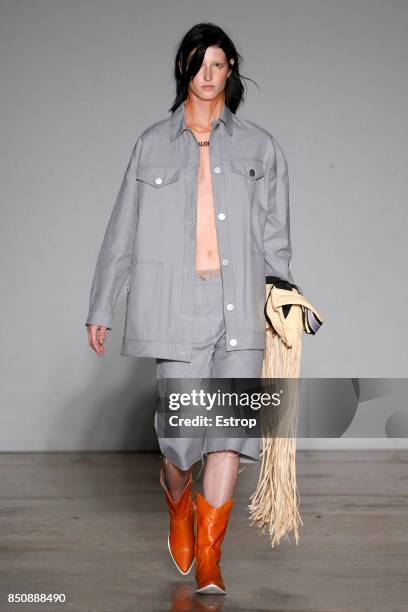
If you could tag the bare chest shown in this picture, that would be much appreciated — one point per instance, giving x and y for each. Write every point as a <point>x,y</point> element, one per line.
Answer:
<point>207,245</point>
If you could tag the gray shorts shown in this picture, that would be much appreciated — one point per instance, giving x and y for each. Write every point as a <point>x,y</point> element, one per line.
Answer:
<point>209,360</point>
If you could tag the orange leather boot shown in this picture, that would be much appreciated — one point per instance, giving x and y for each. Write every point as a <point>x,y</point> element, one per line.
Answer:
<point>181,537</point>
<point>211,524</point>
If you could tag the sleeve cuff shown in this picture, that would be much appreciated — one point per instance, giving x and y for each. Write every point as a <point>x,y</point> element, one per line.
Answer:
<point>100,317</point>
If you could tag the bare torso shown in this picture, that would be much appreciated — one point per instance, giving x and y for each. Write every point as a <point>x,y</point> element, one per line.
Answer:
<point>207,257</point>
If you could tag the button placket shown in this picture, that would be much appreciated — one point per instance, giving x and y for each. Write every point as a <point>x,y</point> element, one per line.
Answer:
<point>224,245</point>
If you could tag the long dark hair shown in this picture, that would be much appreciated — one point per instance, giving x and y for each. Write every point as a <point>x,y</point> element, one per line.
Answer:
<point>199,37</point>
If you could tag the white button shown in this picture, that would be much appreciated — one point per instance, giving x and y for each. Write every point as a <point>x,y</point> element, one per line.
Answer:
<point>221,216</point>
<point>217,169</point>
<point>225,262</point>
<point>233,342</point>
<point>230,306</point>
<point>158,180</point>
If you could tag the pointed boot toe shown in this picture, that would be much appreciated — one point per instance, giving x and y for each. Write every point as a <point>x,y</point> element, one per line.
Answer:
<point>181,537</point>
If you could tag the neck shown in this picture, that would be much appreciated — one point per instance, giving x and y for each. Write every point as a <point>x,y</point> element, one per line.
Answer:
<point>199,114</point>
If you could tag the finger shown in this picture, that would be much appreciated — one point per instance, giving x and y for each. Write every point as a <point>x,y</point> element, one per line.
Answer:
<point>94,339</point>
<point>100,337</point>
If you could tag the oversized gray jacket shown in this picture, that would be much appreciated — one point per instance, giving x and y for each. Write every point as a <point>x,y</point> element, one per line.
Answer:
<point>149,243</point>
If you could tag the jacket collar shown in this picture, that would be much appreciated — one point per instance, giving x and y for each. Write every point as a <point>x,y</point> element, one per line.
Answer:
<point>178,124</point>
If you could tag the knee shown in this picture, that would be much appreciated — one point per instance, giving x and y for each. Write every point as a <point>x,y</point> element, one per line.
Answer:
<point>224,453</point>
<point>174,466</point>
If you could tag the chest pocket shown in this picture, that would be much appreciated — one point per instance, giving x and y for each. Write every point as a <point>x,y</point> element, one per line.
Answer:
<point>158,176</point>
<point>251,168</point>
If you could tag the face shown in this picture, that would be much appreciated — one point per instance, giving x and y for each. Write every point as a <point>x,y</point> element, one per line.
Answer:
<point>210,80</point>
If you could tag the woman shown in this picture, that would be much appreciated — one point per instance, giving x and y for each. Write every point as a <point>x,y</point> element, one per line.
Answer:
<point>201,218</point>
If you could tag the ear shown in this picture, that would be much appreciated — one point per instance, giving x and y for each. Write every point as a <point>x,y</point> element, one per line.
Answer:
<point>231,64</point>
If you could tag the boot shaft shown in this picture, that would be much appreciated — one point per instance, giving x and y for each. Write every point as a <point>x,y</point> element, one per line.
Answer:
<point>211,522</point>
<point>211,525</point>
<point>183,506</point>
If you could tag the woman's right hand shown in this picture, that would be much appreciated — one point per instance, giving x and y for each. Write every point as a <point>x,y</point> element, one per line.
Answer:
<point>96,338</point>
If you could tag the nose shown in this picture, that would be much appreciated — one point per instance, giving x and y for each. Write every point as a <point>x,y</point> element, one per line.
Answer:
<point>207,74</point>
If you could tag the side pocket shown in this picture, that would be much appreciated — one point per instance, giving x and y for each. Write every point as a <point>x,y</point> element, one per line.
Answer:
<point>254,296</point>
<point>144,307</point>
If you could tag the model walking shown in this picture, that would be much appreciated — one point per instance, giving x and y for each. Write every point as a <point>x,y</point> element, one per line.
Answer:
<point>201,218</point>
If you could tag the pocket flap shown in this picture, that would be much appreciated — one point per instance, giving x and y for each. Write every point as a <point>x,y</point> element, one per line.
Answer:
<point>251,168</point>
<point>158,176</point>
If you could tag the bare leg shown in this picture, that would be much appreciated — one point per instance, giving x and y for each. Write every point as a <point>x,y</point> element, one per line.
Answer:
<point>176,479</point>
<point>220,476</point>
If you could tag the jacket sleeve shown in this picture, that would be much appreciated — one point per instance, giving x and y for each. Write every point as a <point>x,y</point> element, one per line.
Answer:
<point>114,259</point>
<point>277,243</point>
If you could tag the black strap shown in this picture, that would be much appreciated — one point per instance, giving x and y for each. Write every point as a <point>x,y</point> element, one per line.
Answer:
<point>281,284</point>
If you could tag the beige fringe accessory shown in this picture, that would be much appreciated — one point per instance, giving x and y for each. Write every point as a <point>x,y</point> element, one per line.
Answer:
<point>275,502</point>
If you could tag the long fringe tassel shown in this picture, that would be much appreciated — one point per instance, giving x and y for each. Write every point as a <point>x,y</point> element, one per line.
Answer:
<point>275,502</point>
